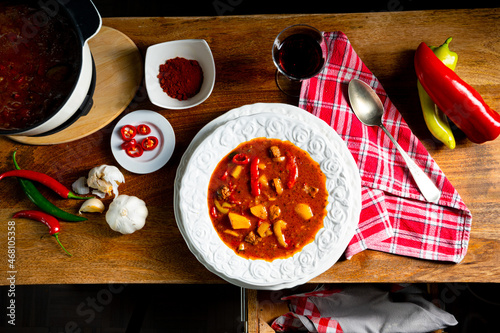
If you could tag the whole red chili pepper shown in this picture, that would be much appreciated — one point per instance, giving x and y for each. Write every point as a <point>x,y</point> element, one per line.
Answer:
<point>458,100</point>
<point>45,180</point>
<point>49,220</point>
<point>38,199</point>
<point>292,168</point>
<point>254,177</point>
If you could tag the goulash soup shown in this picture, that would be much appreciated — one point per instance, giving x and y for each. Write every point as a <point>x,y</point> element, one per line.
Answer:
<point>267,199</point>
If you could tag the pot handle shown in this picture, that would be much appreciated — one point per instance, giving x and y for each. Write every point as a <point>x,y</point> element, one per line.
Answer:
<point>86,16</point>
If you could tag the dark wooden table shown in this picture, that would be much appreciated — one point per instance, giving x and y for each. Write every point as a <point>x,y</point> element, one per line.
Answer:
<point>241,46</point>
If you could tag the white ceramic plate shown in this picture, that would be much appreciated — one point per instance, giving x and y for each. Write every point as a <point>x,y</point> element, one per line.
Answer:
<point>224,134</point>
<point>152,160</point>
<point>191,49</point>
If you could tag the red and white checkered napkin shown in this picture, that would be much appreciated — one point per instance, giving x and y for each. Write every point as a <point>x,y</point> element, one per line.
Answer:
<point>305,314</point>
<point>395,217</point>
<point>362,308</point>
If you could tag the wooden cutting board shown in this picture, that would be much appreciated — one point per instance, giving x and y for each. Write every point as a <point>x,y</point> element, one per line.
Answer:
<point>119,69</point>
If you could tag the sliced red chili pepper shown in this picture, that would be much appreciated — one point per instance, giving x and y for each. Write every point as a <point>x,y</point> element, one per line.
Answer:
<point>143,129</point>
<point>150,143</point>
<point>128,144</point>
<point>49,220</point>
<point>128,132</point>
<point>293,170</point>
<point>254,177</point>
<point>134,150</point>
<point>241,159</point>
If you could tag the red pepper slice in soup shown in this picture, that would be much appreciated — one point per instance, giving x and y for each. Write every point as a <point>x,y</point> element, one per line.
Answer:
<point>293,170</point>
<point>241,158</point>
<point>254,177</point>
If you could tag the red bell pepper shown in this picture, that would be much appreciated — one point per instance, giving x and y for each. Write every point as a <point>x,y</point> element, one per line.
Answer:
<point>458,100</point>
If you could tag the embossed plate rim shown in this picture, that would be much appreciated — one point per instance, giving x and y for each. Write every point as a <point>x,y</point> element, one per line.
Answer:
<point>294,113</point>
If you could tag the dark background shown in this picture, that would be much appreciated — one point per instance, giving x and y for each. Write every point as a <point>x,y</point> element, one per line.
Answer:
<point>116,8</point>
<point>215,308</point>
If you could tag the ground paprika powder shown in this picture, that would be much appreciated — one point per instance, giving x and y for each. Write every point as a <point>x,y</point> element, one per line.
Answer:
<point>181,78</point>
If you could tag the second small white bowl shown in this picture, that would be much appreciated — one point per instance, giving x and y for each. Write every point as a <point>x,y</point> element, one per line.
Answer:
<point>191,49</point>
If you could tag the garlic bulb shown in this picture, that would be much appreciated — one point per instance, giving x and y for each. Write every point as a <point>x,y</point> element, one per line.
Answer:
<point>126,214</point>
<point>80,186</point>
<point>93,205</point>
<point>105,178</point>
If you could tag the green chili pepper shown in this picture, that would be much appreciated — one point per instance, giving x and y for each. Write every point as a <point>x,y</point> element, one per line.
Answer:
<point>435,119</point>
<point>38,199</point>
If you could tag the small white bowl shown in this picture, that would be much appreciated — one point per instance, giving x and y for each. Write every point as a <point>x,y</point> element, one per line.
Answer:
<point>191,49</point>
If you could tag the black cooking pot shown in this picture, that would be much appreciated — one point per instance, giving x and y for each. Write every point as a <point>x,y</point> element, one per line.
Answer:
<point>84,22</point>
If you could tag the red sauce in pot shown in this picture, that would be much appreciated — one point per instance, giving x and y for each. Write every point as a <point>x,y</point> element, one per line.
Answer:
<point>39,64</point>
<point>291,184</point>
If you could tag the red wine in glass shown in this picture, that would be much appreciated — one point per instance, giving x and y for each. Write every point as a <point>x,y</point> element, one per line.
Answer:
<point>300,56</point>
<point>298,53</point>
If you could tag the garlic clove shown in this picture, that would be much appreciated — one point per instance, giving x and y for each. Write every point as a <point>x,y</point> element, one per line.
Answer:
<point>99,194</point>
<point>93,205</point>
<point>80,186</point>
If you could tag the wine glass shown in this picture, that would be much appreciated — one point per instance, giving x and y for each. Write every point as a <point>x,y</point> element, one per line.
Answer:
<point>299,53</point>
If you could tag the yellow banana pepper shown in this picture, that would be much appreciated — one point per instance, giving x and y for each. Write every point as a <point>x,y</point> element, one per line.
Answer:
<point>435,119</point>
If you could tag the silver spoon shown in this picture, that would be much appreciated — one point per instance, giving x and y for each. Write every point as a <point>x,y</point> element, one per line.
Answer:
<point>369,109</point>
